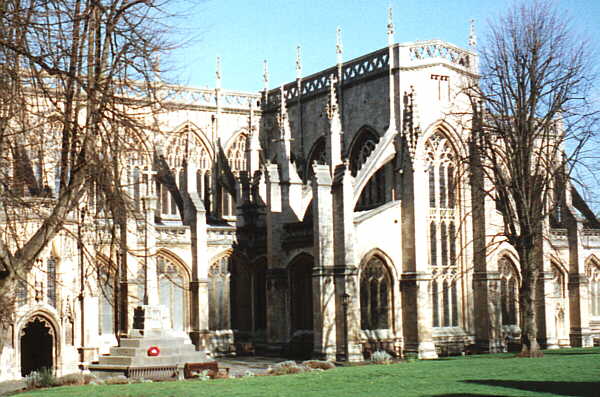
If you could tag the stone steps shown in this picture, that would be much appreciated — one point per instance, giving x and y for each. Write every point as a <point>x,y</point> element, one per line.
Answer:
<point>165,350</point>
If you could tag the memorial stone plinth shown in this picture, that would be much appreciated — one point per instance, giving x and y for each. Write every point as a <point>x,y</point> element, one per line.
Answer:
<point>132,357</point>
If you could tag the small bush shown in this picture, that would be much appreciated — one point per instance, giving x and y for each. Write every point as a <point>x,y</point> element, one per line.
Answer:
<point>42,378</point>
<point>287,367</point>
<point>319,364</point>
<point>32,380</point>
<point>75,379</point>
<point>381,357</point>
<point>117,380</point>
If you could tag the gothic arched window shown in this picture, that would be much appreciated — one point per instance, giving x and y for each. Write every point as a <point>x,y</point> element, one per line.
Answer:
<point>375,295</point>
<point>172,291</point>
<point>106,310</point>
<point>593,274</point>
<point>51,280</point>
<point>218,294</point>
<point>374,192</point>
<point>509,284</point>
<point>443,238</point>
<point>318,154</point>
<point>236,159</point>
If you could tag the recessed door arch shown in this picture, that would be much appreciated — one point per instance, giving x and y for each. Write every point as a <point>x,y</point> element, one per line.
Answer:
<point>37,342</point>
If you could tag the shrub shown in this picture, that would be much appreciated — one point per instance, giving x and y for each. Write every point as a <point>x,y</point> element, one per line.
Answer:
<point>116,380</point>
<point>75,379</point>
<point>381,357</point>
<point>319,364</point>
<point>287,367</point>
<point>32,380</point>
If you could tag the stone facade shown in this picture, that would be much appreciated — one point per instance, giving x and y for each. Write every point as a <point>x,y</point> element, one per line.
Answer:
<point>330,217</point>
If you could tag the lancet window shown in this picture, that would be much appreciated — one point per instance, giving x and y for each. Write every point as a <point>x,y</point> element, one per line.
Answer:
<point>218,294</point>
<point>375,295</point>
<point>509,284</point>
<point>374,192</point>
<point>318,154</point>
<point>106,313</point>
<point>593,274</point>
<point>51,281</point>
<point>185,154</point>
<point>172,291</point>
<point>443,236</point>
<point>236,161</point>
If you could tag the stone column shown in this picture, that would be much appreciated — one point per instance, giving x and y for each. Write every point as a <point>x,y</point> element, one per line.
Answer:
<point>324,320</point>
<point>346,272</point>
<point>149,254</point>
<point>486,310</point>
<point>578,286</point>
<point>416,277</point>
<point>277,278</point>
<point>196,218</point>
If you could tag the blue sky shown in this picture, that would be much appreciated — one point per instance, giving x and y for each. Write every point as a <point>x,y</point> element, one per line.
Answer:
<point>245,32</point>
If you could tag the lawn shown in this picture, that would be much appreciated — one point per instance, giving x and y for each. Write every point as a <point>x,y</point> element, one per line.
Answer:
<point>569,372</point>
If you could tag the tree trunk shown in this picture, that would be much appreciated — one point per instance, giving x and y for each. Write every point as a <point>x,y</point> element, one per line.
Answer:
<point>527,304</point>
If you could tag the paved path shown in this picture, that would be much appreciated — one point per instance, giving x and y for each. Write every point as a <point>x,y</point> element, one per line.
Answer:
<point>238,366</point>
<point>11,386</point>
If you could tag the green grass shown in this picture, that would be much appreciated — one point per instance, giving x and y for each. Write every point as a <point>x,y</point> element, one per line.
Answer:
<point>569,372</point>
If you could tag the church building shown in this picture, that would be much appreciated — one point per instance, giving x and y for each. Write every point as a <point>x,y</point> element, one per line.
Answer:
<point>331,217</point>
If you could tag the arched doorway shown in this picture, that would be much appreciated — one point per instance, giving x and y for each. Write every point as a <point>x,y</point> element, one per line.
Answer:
<point>300,272</point>
<point>37,346</point>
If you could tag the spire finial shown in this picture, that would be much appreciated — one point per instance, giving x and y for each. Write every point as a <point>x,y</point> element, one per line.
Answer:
<point>339,48</point>
<point>218,72</point>
<point>332,107</point>
<point>266,75</point>
<point>390,25</point>
<point>472,35</point>
<point>298,63</point>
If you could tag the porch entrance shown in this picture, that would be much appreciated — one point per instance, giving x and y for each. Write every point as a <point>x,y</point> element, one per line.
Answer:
<point>37,346</point>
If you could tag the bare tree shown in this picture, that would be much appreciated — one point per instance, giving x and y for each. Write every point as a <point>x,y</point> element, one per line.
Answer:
<point>77,96</point>
<point>534,118</point>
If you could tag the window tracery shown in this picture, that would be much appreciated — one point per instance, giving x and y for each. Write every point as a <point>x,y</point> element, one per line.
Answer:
<point>106,310</point>
<point>593,274</point>
<point>374,192</point>
<point>443,237</point>
<point>509,284</point>
<point>375,295</point>
<point>218,294</point>
<point>185,150</point>
<point>171,291</point>
<point>236,158</point>
<point>51,280</point>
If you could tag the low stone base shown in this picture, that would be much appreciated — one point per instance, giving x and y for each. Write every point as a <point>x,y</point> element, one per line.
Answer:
<point>131,357</point>
<point>142,372</point>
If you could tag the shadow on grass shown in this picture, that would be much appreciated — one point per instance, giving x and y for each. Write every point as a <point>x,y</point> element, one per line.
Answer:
<point>470,395</point>
<point>582,389</point>
<point>563,353</point>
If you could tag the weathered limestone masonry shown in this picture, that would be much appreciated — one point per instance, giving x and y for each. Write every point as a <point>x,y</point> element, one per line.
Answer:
<point>331,217</point>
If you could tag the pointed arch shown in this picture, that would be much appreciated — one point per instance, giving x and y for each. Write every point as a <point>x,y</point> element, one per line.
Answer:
<point>449,133</point>
<point>509,290</point>
<point>173,288</point>
<point>301,292</point>
<point>38,341</point>
<point>592,270</point>
<point>318,153</point>
<point>376,291</point>
<point>361,147</point>
<point>236,150</point>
